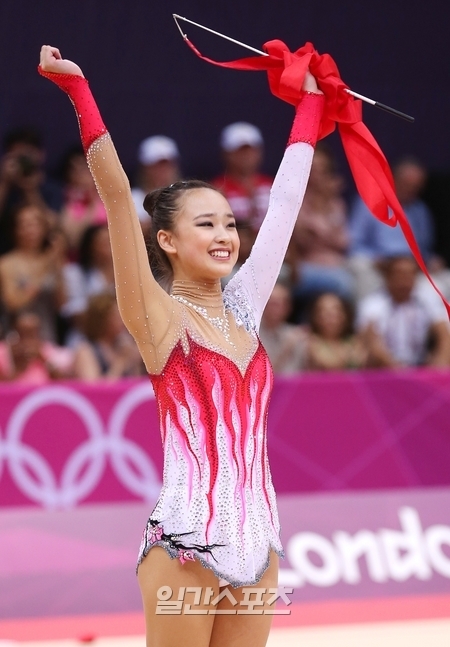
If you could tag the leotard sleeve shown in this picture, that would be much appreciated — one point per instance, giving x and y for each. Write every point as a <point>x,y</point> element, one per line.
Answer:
<point>145,307</point>
<point>255,280</point>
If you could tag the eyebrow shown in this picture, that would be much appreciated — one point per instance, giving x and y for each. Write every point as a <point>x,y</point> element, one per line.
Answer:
<point>212,215</point>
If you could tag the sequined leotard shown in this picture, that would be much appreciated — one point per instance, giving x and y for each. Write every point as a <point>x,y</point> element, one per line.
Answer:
<point>217,504</point>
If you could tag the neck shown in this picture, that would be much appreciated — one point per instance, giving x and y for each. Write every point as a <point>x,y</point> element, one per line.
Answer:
<point>203,293</point>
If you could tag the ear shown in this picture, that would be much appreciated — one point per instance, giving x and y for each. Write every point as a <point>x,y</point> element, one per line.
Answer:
<point>166,241</point>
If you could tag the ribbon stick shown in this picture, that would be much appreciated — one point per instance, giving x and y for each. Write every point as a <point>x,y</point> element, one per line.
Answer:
<point>370,169</point>
<point>372,102</point>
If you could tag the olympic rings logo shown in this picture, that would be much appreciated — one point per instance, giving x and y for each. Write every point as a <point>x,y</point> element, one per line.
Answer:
<point>84,468</point>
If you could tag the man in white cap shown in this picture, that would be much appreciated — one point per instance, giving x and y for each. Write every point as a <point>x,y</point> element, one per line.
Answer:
<point>158,166</point>
<point>245,188</point>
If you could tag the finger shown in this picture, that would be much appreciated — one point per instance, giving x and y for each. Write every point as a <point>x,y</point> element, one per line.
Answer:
<point>48,52</point>
<point>56,53</point>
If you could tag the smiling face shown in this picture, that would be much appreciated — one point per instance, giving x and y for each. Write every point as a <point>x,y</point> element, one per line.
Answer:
<point>204,243</point>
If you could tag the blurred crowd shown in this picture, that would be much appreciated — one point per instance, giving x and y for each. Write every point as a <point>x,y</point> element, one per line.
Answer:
<point>349,295</point>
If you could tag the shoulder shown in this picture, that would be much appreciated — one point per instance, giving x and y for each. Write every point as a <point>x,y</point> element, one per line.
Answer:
<point>432,305</point>
<point>374,305</point>
<point>9,261</point>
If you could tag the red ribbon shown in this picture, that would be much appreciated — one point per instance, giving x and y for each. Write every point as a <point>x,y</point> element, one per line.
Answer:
<point>373,177</point>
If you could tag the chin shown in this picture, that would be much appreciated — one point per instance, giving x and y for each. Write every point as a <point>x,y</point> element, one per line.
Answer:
<point>221,270</point>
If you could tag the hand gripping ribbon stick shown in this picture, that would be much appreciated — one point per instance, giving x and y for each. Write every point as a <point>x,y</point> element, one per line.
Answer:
<point>377,104</point>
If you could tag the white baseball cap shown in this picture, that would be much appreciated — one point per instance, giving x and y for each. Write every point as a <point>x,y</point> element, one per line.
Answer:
<point>157,148</point>
<point>240,134</point>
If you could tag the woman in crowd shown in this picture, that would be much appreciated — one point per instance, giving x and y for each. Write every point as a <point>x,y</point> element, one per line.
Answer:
<point>332,343</point>
<point>95,260</point>
<point>27,358</point>
<point>215,523</point>
<point>109,351</point>
<point>82,205</point>
<point>284,342</point>
<point>31,274</point>
<point>321,236</point>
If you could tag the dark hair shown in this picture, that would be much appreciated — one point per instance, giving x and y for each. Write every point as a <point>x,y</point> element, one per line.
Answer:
<point>325,149</point>
<point>346,306</point>
<point>387,263</point>
<point>65,163</point>
<point>23,135</point>
<point>86,244</point>
<point>163,205</point>
<point>407,160</point>
<point>96,315</point>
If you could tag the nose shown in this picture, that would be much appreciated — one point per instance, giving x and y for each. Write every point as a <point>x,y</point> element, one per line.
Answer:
<point>222,234</point>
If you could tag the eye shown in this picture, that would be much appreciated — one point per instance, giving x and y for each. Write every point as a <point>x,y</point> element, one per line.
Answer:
<point>232,224</point>
<point>207,223</point>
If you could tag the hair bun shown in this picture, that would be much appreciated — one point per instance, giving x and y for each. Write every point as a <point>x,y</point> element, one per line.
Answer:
<point>151,200</point>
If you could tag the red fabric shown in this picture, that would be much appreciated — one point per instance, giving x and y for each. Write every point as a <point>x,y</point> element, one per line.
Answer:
<point>89,118</point>
<point>373,178</point>
<point>307,119</point>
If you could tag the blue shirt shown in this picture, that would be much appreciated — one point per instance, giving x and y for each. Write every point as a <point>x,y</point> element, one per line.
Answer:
<point>372,238</point>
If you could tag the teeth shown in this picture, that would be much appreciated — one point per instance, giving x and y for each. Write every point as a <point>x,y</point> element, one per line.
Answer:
<point>220,254</point>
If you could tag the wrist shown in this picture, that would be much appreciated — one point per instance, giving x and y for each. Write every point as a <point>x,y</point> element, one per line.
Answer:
<point>89,118</point>
<point>307,118</point>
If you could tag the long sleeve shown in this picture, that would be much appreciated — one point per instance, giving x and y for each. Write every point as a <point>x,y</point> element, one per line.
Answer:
<point>259,273</point>
<point>144,306</point>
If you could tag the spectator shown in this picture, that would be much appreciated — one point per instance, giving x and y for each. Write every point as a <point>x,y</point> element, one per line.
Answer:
<point>159,166</point>
<point>320,239</point>
<point>95,259</point>
<point>284,342</point>
<point>242,184</point>
<point>332,343</point>
<point>23,181</point>
<point>93,274</point>
<point>109,352</point>
<point>400,320</point>
<point>82,205</point>
<point>31,274</point>
<point>373,241</point>
<point>27,358</point>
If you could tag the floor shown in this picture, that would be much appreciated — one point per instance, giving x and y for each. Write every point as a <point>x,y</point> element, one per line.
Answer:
<point>420,633</point>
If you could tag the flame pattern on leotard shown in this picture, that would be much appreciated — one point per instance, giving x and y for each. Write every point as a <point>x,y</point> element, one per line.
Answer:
<point>217,489</point>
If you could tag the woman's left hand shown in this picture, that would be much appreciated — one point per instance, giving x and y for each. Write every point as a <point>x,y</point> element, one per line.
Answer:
<point>310,84</point>
<point>52,61</point>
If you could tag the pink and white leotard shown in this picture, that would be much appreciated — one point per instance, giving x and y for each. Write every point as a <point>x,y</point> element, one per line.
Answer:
<point>217,504</point>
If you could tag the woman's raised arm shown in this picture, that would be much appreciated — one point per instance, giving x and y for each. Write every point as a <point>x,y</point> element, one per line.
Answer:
<point>144,306</point>
<point>259,273</point>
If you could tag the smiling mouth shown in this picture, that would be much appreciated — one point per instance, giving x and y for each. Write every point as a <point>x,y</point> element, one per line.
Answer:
<point>223,254</point>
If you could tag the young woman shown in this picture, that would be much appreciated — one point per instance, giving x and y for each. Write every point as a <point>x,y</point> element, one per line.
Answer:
<point>216,517</point>
<point>109,351</point>
<point>332,344</point>
<point>31,274</point>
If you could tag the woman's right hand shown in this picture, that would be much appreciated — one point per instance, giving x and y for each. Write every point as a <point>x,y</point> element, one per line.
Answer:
<point>52,61</point>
